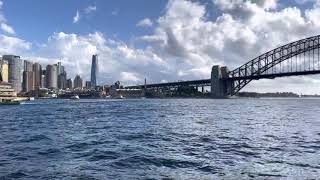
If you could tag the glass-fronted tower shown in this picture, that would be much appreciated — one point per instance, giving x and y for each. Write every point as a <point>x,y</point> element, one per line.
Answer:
<point>15,64</point>
<point>94,70</point>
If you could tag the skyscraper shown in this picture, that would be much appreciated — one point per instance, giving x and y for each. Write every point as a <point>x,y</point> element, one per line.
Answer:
<point>94,70</point>
<point>37,75</point>
<point>69,84</point>
<point>27,66</point>
<point>78,82</point>
<point>51,77</point>
<point>28,77</point>
<point>62,80</point>
<point>62,76</point>
<point>28,81</point>
<point>14,71</point>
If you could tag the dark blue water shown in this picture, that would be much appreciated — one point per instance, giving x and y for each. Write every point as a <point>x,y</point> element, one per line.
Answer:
<point>169,138</point>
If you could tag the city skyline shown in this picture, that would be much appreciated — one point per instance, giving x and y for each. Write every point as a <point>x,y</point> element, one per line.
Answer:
<point>28,77</point>
<point>169,41</point>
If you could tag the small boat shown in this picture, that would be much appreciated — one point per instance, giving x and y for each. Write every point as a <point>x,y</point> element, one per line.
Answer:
<point>75,97</point>
<point>53,96</point>
<point>31,98</point>
<point>9,102</point>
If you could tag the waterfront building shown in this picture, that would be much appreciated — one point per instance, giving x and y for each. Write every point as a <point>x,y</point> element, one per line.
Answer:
<point>27,66</point>
<point>6,90</point>
<point>62,76</point>
<point>4,69</point>
<point>43,79</point>
<point>37,75</point>
<point>51,77</point>
<point>62,80</point>
<point>60,68</point>
<point>78,82</point>
<point>28,77</point>
<point>28,81</point>
<point>94,70</point>
<point>14,63</point>
<point>69,84</point>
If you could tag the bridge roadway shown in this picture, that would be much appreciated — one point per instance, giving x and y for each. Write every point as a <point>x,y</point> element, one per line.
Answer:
<point>202,82</point>
<point>207,82</point>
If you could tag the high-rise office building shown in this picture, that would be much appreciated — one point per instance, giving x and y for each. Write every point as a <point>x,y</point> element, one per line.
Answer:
<point>94,70</point>
<point>4,69</point>
<point>14,71</point>
<point>60,68</point>
<point>43,81</point>
<point>51,77</point>
<point>27,66</point>
<point>28,77</point>
<point>69,84</point>
<point>62,76</point>
<point>28,81</point>
<point>37,75</point>
<point>78,82</point>
<point>62,80</point>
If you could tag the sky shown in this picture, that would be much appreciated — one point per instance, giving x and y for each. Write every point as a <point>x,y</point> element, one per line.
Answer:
<point>161,40</point>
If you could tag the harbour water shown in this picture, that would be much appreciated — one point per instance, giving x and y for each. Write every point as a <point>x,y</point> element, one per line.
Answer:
<point>161,138</point>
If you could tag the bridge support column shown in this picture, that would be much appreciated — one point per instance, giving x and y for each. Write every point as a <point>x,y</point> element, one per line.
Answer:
<point>220,88</point>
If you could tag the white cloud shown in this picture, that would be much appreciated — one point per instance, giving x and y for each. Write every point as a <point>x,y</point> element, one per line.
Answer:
<point>13,45</point>
<point>185,43</point>
<point>76,18</point>
<point>191,42</point>
<point>128,76</point>
<point>145,23</point>
<point>90,9</point>
<point>5,27</point>
<point>3,22</point>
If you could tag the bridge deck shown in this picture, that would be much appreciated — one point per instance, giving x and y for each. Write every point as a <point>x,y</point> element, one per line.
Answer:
<point>207,82</point>
<point>202,82</point>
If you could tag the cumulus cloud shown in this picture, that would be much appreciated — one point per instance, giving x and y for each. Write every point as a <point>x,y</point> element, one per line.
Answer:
<point>13,45</point>
<point>192,42</point>
<point>5,27</point>
<point>145,23</point>
<point>186,42</point>
<point>76,17</point>
<point>3,22</point>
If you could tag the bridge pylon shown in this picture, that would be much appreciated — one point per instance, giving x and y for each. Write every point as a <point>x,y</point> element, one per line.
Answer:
<point>221,87</point>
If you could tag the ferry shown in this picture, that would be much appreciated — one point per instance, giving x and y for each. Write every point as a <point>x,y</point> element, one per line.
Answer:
<point>9,102</point>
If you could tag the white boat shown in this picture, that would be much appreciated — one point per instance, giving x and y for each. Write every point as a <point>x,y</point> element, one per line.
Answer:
<point>75,97</point>
<point>53,96</point>
<point>31,98</point>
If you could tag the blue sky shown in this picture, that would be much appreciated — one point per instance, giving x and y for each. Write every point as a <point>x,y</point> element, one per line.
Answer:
<point>37,19</point>
<point>161,40</point>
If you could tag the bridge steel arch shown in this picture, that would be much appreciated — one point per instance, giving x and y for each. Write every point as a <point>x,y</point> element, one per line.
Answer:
<point>278,62</point>
<point>265,65</point>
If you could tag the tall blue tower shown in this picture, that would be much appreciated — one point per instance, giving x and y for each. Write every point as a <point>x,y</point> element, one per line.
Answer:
<point>94,70</point>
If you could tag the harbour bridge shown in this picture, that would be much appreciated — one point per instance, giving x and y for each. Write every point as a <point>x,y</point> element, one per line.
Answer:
<point>301,57</point>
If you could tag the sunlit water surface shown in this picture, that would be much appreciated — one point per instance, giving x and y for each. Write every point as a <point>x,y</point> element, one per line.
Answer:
<point>167,138</point>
